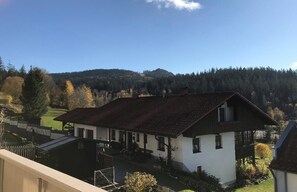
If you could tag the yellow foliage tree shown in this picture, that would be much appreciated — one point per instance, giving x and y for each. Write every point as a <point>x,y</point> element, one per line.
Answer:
<point>13,86</point>
<point>262,150</point>
<point>81,97</point>
<point>69,90</point>
<point>140,182</point>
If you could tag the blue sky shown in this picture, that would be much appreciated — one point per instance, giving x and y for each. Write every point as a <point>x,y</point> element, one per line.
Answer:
<point>181,36</point>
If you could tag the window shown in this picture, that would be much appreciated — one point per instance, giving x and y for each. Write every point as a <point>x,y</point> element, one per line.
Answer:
<point>80,132</point>
<point>113,134</point>
<point>90,134</point>
<point>122,136</point>
<point>218,141</point>
<point>222,114</point>
<point>199,170</point>
<point>196,145</point>
<point>137,137</point>
<point>144,138</point>
<point>161,146</point>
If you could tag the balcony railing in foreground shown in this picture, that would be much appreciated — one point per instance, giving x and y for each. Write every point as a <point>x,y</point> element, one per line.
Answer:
<point>19,174</point>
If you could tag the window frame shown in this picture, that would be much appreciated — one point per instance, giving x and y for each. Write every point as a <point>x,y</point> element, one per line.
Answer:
<point>199,170</point>
<point>90,134</point>
<point>80,132</point>
<point>113,135</point>
<point>137,137</point>
<point>161,143</point>
<point>196,145</point>
<point>222,114</point>
<point>218,141</point>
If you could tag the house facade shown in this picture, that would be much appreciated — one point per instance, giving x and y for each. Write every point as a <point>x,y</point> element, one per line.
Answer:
<point>284,163</point>
<point>207,132</point>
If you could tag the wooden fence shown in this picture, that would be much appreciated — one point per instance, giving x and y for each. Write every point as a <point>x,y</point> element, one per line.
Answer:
<point>41,130</point>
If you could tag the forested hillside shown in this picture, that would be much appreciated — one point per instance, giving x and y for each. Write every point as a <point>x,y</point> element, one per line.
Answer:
<point>265,87</point>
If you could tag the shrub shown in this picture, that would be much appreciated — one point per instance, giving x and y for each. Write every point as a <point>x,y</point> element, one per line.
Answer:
<point>9,99</point>
<point>247,170</point>
<point>140,182</point>
<point>263,150</point>
<point>262,168</point>
<point>250,171</point>
<point>200,181</point>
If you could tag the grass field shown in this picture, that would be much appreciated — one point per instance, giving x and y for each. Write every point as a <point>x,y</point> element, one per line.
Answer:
<point>48,118</point>
<point>267,186</point>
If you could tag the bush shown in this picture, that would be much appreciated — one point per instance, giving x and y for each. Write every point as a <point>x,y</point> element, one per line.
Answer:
<point>140,182</point>
<point>262,150</point>
<point>250,170</point>
<point>200,181</point>
<point>262,168</point>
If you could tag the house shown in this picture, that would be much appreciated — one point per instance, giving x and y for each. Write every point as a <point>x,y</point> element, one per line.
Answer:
<point>284,163</point>
<point>207,132</point>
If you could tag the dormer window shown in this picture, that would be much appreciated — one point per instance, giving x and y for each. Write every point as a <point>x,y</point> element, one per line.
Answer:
<point>222,114</point>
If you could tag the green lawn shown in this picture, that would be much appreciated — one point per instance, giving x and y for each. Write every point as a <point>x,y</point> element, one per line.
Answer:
<point>48,118</point>
<point>267,186</point>
<point>164,180</point>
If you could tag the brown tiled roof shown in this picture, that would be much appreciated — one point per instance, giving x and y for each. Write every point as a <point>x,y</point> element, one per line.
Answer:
<point>168,116</point>
<point>286,159</point>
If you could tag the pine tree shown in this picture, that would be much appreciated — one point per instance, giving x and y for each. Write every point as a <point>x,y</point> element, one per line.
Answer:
<point>2,70</point>
<point>34,96</point>
<point>22,71</point>
<point>11,70</point>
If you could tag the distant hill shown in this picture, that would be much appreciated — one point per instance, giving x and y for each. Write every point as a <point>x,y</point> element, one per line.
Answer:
<point>111,79</point>
<point>158,73</point>
<point>96,73</point>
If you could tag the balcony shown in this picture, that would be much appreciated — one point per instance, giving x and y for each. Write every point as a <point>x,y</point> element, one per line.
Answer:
<point>22,175</point>
<point>242,151</point>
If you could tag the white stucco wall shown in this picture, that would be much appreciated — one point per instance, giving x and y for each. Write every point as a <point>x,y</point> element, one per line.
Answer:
<point>285,181</point>
<point>280,179</point>
<point>218,162</point>
<point>292,182</point>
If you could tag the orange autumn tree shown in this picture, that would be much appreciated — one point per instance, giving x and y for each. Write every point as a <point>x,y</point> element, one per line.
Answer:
<point>13,87</point>
<point>262,150</point>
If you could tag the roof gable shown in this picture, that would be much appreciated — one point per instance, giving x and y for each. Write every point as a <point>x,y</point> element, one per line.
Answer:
<point>286,150</point>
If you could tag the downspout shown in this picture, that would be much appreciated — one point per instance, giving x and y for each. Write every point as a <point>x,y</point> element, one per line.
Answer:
<point>253,143</point>
<point>286,182</point>
<point>144,142</point>
<point>109,138</point>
